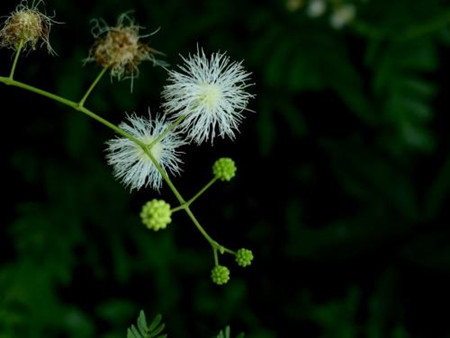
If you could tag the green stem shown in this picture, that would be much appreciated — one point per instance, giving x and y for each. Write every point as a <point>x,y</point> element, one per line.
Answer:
<point>16,59</point>
<point>145,148</point>
<point>110,125</point>
<point>71,104</point>
<point>211,241</point>
<point>9,81</point>
<point>216,259</point>
<point>168,130</point>
<point>210,183</point>
<point>188,203</point>
<point>91,88</point>
<point>178,208</point>
<point>164,175</point>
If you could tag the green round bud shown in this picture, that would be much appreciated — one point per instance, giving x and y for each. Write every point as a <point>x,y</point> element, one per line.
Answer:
<point>224,169</point>
<point>220,274</point>
<point>156,214</point>
<point>244,257</point>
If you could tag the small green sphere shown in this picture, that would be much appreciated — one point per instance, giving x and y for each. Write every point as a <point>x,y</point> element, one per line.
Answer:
<point>224,169</point>
<point>220,274</point>
<point>156,214</point>
<point>244,257</point>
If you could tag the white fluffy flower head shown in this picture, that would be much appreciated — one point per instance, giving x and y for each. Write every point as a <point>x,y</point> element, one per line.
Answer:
<point>132,165</point>
<point>210,93</point>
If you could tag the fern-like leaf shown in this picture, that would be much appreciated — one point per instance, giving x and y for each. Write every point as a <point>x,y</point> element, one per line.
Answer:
<point>142,322</point>
<point>145,331</point>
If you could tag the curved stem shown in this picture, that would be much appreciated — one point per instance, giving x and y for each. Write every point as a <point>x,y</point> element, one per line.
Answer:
<point>211,241</point>
<point>194,220</point>
<point>110,125</point>
<point>16,59</point>
<point>9,81</point>
<point>71,104</point>
<point>145,148</point>
<point>91,88</point>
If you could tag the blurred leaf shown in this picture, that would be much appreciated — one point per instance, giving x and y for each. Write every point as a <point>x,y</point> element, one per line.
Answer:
<point>383,305</point>
<point>227,333</point>
<point>337,318</point>
<point>266,128</point>
<point>406,95</point>
<point>155,322</point>
<point>116,311</point>
<point>430,250</point>
<point>293,116</point>
<point>144,331</point>
<point>438,190</point>
<point>400,332</point>
<point>373,178</point>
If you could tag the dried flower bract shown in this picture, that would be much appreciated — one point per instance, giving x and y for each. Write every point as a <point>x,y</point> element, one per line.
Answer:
<point>26,25</point>
<point>120,48</point>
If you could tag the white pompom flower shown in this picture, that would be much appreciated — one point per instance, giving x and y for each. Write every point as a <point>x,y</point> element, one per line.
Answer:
<point>210,93</point>
<point>132,165</point>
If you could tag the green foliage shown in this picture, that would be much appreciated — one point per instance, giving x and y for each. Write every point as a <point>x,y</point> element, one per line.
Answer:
<point>154,330</point>
<point>406,96</point>
<point>351,128</point>
<point>226,333</point>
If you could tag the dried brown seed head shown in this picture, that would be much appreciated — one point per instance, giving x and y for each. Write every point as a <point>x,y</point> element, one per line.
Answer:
<point>26,25</point>
<point>120,48</point>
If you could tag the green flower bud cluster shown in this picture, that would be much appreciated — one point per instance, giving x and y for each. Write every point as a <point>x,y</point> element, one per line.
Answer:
<point>224,169</point>
<point>220,274</point>
<point>156,214</point>
<point>244,257</point>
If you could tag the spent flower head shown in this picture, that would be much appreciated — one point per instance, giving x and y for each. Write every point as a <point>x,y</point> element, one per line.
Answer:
<point>131,163</point>
<point>210,92</point>
<point>26,25</point>
<point>120,48</point>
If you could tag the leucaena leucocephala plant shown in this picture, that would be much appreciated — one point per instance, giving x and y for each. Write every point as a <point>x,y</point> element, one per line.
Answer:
<point>205,97</point>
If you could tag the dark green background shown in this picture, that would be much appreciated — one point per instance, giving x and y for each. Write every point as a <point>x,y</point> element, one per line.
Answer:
<point>341,193</point>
